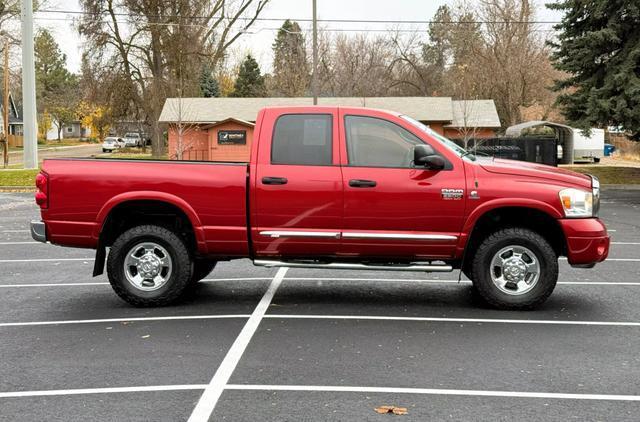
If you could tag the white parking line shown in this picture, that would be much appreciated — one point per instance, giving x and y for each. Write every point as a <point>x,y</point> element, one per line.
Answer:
<point>434,391</point>
<point>438,281</point>
<point>46,260</point>
<point>625,243</point>
<point>53,284</point>
<point>15,231</point>
<point>469,320</point>
<point>411,280</point>
<point>211,394</point>
<point>96,321</point>
<point>40,393</point>
<point>237,279</point>
<point>325,388</point>
<point>19,243</point>
<point>107,284</point>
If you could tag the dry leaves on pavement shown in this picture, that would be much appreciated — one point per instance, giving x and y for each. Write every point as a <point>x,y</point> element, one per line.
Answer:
<point>391,409</point>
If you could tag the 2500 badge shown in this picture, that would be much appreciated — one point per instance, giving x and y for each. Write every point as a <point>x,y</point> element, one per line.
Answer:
<point>452,193</point>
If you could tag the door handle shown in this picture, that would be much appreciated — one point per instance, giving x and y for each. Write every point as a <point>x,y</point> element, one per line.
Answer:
<point>357,183</point>
<point>274,180</point>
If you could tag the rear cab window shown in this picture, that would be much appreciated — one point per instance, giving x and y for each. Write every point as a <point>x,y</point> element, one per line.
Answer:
<point>303,139</point>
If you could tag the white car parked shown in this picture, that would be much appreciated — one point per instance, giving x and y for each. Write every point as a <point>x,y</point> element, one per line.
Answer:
<point>110,143</point>
<point>132,139</point>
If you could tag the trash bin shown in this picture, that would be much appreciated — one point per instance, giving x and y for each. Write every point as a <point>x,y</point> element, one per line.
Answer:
<point>608,150</point>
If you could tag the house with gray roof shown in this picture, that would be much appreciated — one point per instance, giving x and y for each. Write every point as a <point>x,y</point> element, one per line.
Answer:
<point>451,118</point>
<point>442,114</point>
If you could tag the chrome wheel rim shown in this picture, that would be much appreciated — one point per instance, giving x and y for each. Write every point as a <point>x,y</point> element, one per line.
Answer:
<point>147,266</point>
<point>515,270</point>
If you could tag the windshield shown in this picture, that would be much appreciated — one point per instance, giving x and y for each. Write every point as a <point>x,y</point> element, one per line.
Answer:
<point>132,135</point>
<point>445,141</point>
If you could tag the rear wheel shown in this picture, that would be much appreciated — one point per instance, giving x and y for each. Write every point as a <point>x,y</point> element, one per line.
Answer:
<point>514,268</point>
<point>149,266</point>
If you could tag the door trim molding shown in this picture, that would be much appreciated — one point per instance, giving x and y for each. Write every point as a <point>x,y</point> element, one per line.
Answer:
<point>293,233</point>
<point>355,235</point>
<point>397,236</point>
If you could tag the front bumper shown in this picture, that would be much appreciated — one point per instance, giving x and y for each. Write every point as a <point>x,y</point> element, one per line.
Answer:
<point>39,231</point>
<point>587,241</point>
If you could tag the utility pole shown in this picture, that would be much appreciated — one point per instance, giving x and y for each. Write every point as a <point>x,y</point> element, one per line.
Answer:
<point>314,77</point>
<point>5,111</point>
<point>29,88</point>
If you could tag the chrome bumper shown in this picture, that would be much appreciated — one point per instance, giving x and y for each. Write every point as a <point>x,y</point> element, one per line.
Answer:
<point>39,231</point>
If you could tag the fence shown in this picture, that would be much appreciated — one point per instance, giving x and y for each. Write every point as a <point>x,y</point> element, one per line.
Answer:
<point>194,155</point>
<point>15,141</point>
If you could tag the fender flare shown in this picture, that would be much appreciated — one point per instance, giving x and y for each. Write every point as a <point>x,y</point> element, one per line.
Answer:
<point>152,196</point>
<point>478,212</point>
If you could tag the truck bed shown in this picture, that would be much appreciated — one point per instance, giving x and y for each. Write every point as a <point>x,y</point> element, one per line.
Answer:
<point>82,192</point>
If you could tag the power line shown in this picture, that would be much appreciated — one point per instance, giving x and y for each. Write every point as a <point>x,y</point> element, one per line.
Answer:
<point>256,30</point>
<point>386,21</point>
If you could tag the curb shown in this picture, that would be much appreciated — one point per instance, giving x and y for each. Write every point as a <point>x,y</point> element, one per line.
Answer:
<point>10,189</point>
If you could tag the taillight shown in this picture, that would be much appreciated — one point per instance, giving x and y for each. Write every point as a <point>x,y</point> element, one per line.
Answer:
<point>42,195</point>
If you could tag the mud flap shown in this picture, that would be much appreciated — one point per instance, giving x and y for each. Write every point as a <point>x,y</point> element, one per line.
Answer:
<point>98,264</point>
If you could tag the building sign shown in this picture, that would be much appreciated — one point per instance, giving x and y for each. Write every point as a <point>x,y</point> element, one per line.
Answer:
<point>232,137</point>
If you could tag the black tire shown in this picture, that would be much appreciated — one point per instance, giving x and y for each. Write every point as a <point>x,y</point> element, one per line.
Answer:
<point>177,281</point>
<point>481,269</point>
<point>105,150</point>
<point>596,160</point>
<point>201,269</point>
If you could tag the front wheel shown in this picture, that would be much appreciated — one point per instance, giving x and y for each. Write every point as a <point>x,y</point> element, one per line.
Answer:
<point>515,268</point>
<point>149,266</point>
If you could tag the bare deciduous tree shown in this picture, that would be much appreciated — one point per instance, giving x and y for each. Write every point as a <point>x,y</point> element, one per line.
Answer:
<point>159,40</point>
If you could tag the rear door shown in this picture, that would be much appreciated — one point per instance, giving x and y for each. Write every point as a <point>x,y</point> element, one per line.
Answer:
<point>297,191</point>
<point>392,209</point>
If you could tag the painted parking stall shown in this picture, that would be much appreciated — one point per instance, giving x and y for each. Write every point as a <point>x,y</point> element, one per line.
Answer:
<point>315,344</point>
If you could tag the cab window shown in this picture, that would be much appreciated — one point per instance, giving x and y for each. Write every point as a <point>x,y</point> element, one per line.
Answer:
<point>373,142</point>
<point>302,139</point>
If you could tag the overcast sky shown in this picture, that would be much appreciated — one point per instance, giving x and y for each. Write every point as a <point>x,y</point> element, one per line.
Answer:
<point>260,43</point>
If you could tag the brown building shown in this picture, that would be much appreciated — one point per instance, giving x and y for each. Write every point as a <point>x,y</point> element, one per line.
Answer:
<point>221,129</point>
<point>227,140</point>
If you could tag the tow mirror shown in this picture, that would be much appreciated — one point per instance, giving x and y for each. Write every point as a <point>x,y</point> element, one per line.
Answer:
<point>425,156</point>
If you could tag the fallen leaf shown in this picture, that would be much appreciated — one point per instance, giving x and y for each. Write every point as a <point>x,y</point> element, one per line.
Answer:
<point>391,409</point>
<point>400,411</point>
<point>147,336</point>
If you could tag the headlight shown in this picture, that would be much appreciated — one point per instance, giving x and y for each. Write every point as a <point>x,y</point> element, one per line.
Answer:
<point>576,203</point>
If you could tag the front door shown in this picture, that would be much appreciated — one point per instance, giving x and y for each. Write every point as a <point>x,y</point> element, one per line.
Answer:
<point>392,209</point>
<point>297,192</point>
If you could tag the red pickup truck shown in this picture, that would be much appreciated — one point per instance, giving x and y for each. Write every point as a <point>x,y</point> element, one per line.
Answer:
<point>326,187</point>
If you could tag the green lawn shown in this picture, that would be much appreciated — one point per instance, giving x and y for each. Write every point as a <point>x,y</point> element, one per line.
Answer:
<point>10,178</point>
<point>130,154</point>
<point>611,175</point>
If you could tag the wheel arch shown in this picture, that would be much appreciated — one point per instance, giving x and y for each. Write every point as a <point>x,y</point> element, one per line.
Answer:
<point>533,215</point>
<point>149,200</point>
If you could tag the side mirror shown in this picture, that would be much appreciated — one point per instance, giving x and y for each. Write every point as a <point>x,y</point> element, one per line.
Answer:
<point>425,156</point>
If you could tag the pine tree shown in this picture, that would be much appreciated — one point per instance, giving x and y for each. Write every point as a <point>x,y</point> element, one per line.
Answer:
<point>250,82</point>
<point>290,64</point>
<point>208,84</point>
<point>53,80</point>
<point>599,47</point>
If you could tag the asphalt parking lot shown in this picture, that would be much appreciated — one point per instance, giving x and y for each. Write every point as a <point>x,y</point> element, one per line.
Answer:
<point>260,344</point>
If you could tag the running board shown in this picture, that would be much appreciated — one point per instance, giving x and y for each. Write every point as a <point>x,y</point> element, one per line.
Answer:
<point>355,266</point>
